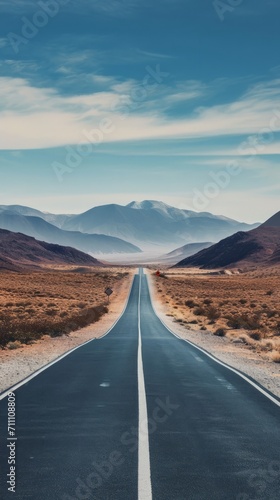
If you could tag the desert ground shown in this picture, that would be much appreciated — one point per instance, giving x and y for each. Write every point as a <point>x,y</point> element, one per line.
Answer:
<point>68,308</point>
<point>54,303</point>
<point>243,307</point>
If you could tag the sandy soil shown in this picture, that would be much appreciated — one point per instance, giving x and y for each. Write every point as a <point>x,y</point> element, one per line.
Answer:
<point>250,362</point>
<point>20,363</point>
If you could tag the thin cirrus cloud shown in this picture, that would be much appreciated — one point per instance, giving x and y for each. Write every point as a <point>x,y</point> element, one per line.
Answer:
<point>56,120</point>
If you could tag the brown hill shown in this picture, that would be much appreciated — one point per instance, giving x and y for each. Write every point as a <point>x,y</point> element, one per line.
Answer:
<point>259,247</point>
<point>18,251</point>
<point>274,221</point>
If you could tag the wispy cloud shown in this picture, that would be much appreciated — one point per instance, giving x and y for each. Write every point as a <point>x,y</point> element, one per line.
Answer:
<point>16,67</point>
<point>55,120</point>
<point>154,55</point>
<point>185,91</point>
<point>3,42</point>
<point>113,7</point>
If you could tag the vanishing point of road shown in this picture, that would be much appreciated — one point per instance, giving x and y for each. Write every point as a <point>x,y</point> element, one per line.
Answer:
<point>141,415</point>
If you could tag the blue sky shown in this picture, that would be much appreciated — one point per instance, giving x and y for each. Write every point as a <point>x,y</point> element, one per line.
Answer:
<point>177,100</point>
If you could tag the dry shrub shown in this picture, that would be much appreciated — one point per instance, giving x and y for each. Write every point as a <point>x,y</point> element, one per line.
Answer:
<point>14,345</point>
<point>247,340</point>
<point>190,303</point>
<point>212,313</point>
<point>275,356</point>
<point>199,311</point>
<point>267,346</point>
<point>271,314</point>
<point>243,321</point>
<point>207,302</point>
<point>220,332</point>
<point>51,312</point>
<point>81,305</point>
<point>256,336</point>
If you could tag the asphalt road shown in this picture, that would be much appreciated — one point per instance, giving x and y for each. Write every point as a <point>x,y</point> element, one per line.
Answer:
<point>194,430</point>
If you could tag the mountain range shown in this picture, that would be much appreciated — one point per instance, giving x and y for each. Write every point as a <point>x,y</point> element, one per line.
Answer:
<point>18,251</point>
<point>153,224</point>
<point>259,247</point>
<point>37,227</point>
<point>147,225</point>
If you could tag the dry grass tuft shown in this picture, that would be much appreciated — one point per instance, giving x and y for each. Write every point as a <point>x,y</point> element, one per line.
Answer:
<point>220,332</point>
